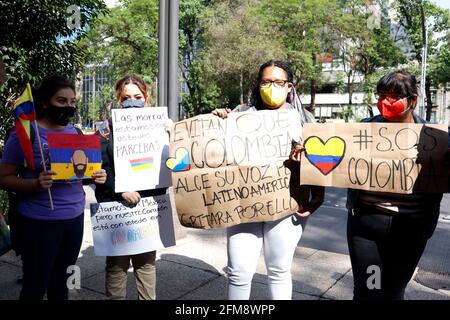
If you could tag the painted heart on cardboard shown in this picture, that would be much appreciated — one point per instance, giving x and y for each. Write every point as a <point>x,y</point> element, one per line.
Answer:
<point>324,156</point>
<point>181,162</point>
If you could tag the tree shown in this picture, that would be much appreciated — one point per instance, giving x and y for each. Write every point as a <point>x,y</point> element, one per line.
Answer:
<point>237,41</point>
<point>126,40</point>
<point>438,21</point>
<point>377,51</point>
<point>122,41</point>
<point>203,94</point>
<point>306,28</point>
<point>440,68</point>
<point>364,45</point>
<point>39,38</point>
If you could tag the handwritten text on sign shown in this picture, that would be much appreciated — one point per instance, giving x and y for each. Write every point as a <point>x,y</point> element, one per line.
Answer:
<point>387,157</point>
<point>120,230</point>
<point>141,144</point>
<point>231,171</point>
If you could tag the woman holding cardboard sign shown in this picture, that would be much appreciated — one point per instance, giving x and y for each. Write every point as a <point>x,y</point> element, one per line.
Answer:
<point>132,92</point>
<point>387,232</point>
<point>274,90</point>
<point>48,231</point>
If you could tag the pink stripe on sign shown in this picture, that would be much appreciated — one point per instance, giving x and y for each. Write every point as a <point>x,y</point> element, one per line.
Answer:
<point>149,159</point>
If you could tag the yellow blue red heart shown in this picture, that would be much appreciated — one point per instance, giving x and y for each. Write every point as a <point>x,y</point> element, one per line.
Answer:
<point>181,162</point>
<point>324,156</point>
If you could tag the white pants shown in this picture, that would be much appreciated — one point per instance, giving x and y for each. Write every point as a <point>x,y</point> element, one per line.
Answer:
<point>279,240</point>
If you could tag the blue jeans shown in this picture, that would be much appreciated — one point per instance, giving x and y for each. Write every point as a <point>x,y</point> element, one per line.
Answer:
<point>49,248</point>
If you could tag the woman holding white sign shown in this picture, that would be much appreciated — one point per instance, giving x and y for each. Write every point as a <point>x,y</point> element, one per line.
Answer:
<point>132,92</point>
<point>274,90</point>
<point>48,215</point>
<point>387,232</point>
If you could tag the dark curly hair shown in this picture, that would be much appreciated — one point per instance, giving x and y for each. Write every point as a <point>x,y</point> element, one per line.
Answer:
<point>255,99</point>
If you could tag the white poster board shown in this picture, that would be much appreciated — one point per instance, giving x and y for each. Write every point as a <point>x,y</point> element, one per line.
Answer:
<point>141,147</point>
<point>120,230</point>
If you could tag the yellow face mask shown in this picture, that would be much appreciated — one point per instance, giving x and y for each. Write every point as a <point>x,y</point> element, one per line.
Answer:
<point>273,97</point>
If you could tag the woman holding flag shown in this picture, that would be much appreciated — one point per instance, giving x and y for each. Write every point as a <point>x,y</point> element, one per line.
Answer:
<point>50,225</point>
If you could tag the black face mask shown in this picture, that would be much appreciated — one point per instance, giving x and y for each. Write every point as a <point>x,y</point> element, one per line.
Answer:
<point>132,104</point>
<point>60,115</point>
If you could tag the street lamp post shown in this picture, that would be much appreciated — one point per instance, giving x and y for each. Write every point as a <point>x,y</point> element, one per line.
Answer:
<point>173,91</point>
<point>162,52</point>
<point>168,91</point>
<point>424,62</point>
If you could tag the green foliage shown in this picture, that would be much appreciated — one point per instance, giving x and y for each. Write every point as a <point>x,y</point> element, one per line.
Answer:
<point>340,82</point>
<point>306,28</point>
<point>237,40</point>
<point>203,93</point>
<point>126,39</point>
<point>36,41</point>
<point>440,66</point>
<point>437,20</point>
<point>222,44</point>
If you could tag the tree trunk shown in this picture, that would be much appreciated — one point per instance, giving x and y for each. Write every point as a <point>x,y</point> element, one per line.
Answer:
<point>241,88</point>
<point>370,109</point>
<point>428,97</point>
<point>312,106</point>
<point>369,104</point>
<point>349,89</point>
<point>249,95</point>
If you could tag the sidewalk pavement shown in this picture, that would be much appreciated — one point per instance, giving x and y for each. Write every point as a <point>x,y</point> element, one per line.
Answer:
<point>194,269</point>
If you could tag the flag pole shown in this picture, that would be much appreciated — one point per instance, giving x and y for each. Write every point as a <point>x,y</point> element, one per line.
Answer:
<point>43,161</point>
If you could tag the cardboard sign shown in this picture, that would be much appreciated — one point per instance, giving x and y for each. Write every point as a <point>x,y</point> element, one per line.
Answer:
<point>141,144</point>
<point>74,156</point>
<point>227,172</point>
<point>387,157</point>
<point>121,230</point>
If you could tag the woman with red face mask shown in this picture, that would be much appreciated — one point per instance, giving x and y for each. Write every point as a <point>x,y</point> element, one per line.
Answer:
<point>388,232</point>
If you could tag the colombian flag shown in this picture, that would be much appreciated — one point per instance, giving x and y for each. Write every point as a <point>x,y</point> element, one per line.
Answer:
<point>324,156</point>
<point>24,113</point>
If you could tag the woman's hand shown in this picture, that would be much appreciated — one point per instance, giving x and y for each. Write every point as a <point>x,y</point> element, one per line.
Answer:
<point>132,197</point>
<point>99,176</point>
<point>296,151</point>
<point>303,213</point>
<point>45,180</point>
<point>317,197</point>
<point>221,112</point>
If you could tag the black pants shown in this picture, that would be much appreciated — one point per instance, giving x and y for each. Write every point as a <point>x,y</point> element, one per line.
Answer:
<point>392,243</point>
<point>48,249</point>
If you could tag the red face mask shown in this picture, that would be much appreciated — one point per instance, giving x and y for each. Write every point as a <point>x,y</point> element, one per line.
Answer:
<point>392,109</point>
